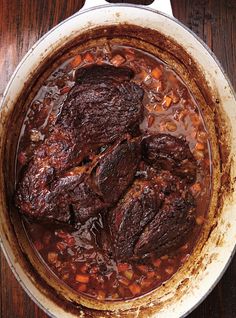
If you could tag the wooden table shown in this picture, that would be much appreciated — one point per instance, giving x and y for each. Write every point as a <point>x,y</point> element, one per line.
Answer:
<point>23,22</point>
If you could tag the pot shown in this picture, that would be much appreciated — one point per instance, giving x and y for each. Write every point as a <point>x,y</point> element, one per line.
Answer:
<point>167,38</point>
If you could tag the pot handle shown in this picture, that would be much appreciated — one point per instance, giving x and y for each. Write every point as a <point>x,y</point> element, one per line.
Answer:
<point>159,5</point>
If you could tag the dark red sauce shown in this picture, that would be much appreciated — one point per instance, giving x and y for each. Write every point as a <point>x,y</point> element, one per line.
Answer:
<point>75,256</point>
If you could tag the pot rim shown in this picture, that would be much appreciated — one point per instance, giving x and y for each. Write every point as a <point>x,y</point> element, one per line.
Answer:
<point>3,101</point>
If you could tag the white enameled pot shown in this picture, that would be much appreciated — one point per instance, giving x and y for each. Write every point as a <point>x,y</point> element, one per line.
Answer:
<point>218,249</point>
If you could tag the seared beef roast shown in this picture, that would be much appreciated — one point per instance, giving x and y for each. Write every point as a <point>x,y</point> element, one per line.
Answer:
<point>170,227</point>
<point>97,111</point>
<point>167,152</point>
<point>90,163</point>
<point>131,215</point>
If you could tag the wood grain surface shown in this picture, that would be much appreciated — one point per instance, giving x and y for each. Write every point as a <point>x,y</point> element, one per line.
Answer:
<point>23,22</point>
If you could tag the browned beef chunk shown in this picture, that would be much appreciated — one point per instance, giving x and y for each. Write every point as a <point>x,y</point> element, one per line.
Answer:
<point>98,110</point>
<point>167,152</point>
<point>117,168</point>
<point>130,216</point>
<point>102,106</point>
<point>81,192</point>
<point>170,227</point>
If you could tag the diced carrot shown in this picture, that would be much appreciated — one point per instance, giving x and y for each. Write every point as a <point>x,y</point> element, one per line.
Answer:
<point>196,188</point>
<point>164,257</point>
<point>151,119</point>
<point>76,61</point>
<point>167,101</point>
<point>38,245</point>
<point>195,120</point>
<point>145,283</point>
<point>128,274</point>
<point>99,61</point>
<point>64,90</point>
<point>202,136</point>
<point>124,281</point>
<point>122,267</point>
<point>200,220</point>
<point>156,262</point>
<point>158,108</point>
<point>135,289</point>
<point>101,295</point>
<point>199,146</point>
<point>143,268</point>
<point>82,287</point>
<point>88,58</point>
<point>169,270</point>
<point>82,278</point>
<point>150,274</point>
<point>117,60</point>
<point>156,73</point>
<point>143,75</point>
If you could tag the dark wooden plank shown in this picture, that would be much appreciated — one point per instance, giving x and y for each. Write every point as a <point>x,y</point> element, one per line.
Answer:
<point>23,22</point>
<point>214,21</point>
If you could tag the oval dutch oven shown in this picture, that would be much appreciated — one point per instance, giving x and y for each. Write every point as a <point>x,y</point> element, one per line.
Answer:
<point>167,38</point>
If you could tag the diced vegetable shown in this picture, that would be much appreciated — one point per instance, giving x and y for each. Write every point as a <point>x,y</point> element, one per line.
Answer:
<point>124,281</point>
<point>129,274</point>
<point>143,268</point>
<point>199,146</point>
<point>157,262</point>
<point>64,90</point>
<point>164,257</point>
<point>76,61</point>
<point>171,126</point>
<point>82,287</point>
<point>82,278</point>
<point>196,188</point>
<point>61,246</point>
<point>167,102</point>
<point>117,60</point>
<point>122,267</point>
<point>156,73</point>
<point>88,58</point>
<point>135,289</point>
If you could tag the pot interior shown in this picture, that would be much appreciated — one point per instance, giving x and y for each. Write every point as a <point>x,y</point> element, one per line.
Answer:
<point>218,125</point>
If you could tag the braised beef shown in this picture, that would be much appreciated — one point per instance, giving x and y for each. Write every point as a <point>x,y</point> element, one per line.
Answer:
<point>167,152</point>
<point>141,205</point>
<point>102,106</point>
<point>130,216</point>
<point>170,227</point>
<point>83,191</point>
